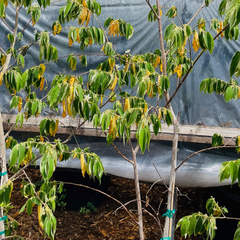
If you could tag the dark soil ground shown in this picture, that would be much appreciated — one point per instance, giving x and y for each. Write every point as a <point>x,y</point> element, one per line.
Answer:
<point>108,222</point>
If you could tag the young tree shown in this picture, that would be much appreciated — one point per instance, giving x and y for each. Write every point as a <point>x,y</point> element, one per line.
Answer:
<point>146,75</point>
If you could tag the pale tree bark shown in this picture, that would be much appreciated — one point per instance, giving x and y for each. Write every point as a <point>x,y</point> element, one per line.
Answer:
<point>137,189</point>
<point>168,221</point>
<point>4,177</point>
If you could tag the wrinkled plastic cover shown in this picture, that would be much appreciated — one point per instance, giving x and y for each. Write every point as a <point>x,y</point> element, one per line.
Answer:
<point>194,106</point>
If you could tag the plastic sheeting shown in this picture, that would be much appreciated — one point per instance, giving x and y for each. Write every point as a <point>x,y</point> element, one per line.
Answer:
<point>193,105</point>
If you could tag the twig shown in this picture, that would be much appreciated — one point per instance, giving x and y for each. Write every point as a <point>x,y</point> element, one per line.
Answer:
<point>202,150</point>
<point>161,179</point>
<point>7,134</point>
<point>203,5</point>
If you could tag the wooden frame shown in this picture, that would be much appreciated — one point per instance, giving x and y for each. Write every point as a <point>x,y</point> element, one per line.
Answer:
<point>187,133</point>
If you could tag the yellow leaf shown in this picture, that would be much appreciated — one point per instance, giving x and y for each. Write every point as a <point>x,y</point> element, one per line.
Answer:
<point>84,3</point>
<point>111,62</point>
<point>59,28</point>
<point>42,83</point>
<point>88,18</point>
<point>201,25</point>
<point>8,142</point>
<point>69,110</point>
<point>64,109</point>
<point>33,23</point>
<point>40,212</point>
<point>101,100</point>
<point>41,139</point>
<point>70,42</point>
<point>55,30</point>
<point>83,16</point>
<point>127,104</point>
<point>195,42</point>
<point>112,127</point>
<point>161,66</point>
<point>158,60</point>
<point>145,108</point>
<point>114,83</point>
<point>60,158</point>
<point>41,70</point>
<point>102,48</point>
<point>83,165</point>
<point>159,114</point>
<point>3,60</point>
<point>133,68</point>
<point>19,104</point>
<point>56,127</point>
<point>72,80</point>
<point>220,28</point>
<point>1,78</point>
<point>126,67</point>
<point>238,92</point>
<point>78,37</point>
<point>238,141</point>
<point>178,70</point>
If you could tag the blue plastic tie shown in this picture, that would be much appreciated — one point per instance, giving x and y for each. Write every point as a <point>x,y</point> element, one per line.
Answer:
<point>3,232</point>
<point>3,218</point>
<point>166,238</point>
<point>169,213</point>
<point>3,173</point>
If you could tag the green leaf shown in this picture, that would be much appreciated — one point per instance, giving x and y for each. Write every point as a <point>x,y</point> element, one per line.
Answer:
<point>217,140</point>
<point>228,95</point>
<point>207,2</point>
<point>169,30</point>
<point>233,171</point>
<point>67,9</point>
<point>132,118</point>
<point>54,95</point>
<point>208,38</point>
<point>234,66</point>
<point>198,226</point>
<point>192,225</point>
<point>184,227</point>
<point>43,126</point>
<point>29,207</point>
<point>2,9</point>
<point>14,155</point>
<point>10,37</point>
<point>143,139</point>
<point>22,208</point>
<point>237,233</point>
<point>20,61</point>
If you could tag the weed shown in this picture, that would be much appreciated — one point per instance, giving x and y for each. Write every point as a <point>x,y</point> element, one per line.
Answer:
<point>88,208</point>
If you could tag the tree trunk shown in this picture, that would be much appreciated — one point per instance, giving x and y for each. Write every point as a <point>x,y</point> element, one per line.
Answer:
<point>168,221</point>
<point>4,178</point>
<point>137,189</point>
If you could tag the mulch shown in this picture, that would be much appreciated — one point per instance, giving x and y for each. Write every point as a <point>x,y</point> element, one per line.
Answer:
<point>109,221</point>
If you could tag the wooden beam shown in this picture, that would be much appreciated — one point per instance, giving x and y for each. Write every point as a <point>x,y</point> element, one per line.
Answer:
<point>187,133</point>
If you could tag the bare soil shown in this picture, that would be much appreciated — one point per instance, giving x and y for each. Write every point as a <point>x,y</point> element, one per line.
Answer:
<point>108,222</point>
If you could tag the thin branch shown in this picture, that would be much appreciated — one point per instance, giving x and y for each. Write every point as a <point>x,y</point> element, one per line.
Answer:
<point>128,160</point>
<point>159,174</point>
<point>202,150</point>
<point>7,134</point>
<point>2,51</point>
<point>203,5</point>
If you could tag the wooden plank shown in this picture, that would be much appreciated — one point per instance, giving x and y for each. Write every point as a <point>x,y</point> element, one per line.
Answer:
<point>187,133</point>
